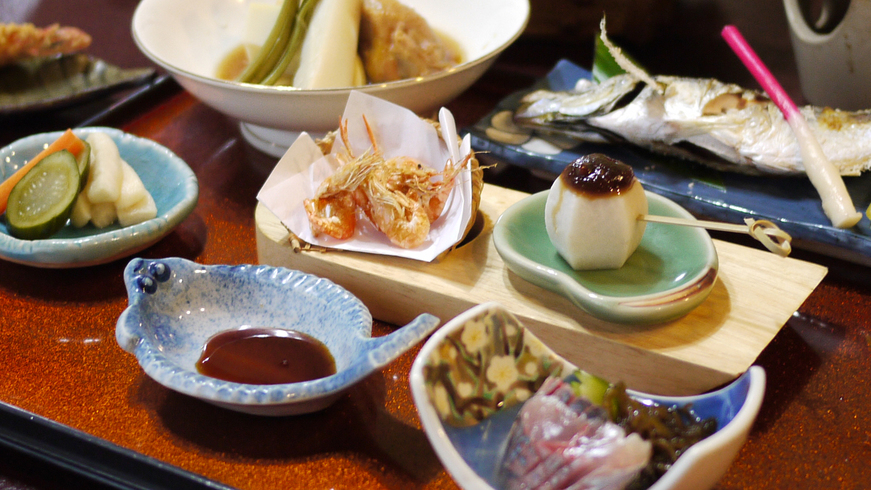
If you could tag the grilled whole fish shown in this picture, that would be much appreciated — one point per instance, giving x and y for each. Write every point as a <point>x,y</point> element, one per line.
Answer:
<point>704,120</point>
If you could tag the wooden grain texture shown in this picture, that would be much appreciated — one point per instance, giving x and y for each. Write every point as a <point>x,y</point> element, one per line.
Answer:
<point>755,294</point>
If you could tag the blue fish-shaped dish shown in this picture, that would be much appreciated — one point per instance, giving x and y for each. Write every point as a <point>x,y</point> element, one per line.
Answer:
<point>176,305</point>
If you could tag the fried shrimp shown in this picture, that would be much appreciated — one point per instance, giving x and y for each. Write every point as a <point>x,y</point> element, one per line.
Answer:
<point>334,215</point>
<point>400,196</point>
<point>437,201</point>
<point>398,215</point>
<point>22,41</point>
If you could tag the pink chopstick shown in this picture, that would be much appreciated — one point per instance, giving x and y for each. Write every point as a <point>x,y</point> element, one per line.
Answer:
<point>760,72</point>
<point>827,180</point>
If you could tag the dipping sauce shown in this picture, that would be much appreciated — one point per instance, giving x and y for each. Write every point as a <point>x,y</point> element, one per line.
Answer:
<point>597,174</point>
<point>265,356</point>
<point>233,64</point>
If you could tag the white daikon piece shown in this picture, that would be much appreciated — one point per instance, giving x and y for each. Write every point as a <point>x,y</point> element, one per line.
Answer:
<point>81,214</point>
<point>103,214</point>
<point>132,188</point>
<point>329,51</point>
<point>105,176</point>
<point>143,210</point>
<point>597,233</point>
<point>258,24</point>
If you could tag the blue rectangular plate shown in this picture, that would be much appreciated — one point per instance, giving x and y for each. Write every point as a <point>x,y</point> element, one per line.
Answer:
<point>791,202</point>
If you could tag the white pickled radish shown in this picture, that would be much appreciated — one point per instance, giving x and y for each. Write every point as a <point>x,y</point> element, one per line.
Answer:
<point>143,210</point>
<point>105,175</point>
<point>81,213</point>
<point>103,214</point>
<point>132,188</point>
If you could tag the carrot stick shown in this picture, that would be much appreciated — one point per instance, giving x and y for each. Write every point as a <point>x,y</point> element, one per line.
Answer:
<point>66,141</point>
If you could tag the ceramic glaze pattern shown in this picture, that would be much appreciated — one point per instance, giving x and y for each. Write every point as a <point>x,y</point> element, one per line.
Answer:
<point>176,305</point>
<point>487,365</point>
<point>56,82</point>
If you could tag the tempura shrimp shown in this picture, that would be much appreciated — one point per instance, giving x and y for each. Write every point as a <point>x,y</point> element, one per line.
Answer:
<point>22,41</point>
<point>443,188</point>
<point>334,215</point>
<point>400,196</point>
<point>398,215</point>
<point>395,193</point>
<point>333,210</point>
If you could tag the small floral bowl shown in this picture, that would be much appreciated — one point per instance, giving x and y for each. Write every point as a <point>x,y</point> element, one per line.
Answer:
<point>473,375</point>
<point>176,305</point>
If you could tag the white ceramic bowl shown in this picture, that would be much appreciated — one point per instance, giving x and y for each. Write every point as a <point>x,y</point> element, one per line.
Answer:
<point>469,421</point>
<point>190,38</point>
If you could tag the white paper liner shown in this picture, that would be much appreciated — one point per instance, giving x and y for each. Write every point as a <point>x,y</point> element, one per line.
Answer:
<point>398,132</point>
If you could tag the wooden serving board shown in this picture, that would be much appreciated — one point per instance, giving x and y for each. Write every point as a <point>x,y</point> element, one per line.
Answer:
<point>755,294</point>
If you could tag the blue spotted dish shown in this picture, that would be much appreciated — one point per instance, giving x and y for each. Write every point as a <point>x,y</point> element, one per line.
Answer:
<point>473,375</point>
<point>167,177</point>
<point>176,305</point>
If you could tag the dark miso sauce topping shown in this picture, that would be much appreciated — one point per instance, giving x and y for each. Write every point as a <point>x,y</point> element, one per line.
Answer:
<point>598,175</point>
<point>265,356</point>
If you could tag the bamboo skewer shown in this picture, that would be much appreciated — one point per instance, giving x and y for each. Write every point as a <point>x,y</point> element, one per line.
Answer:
<point>766,232</point>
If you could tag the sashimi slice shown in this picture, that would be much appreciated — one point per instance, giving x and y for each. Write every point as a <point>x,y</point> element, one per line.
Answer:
<point>563,441</point>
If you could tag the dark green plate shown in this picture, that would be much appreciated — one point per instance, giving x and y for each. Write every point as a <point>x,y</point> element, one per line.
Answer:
<point>58,81</point>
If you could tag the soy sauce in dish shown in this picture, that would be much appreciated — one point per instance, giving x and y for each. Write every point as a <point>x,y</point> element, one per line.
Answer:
<point>265,356</point>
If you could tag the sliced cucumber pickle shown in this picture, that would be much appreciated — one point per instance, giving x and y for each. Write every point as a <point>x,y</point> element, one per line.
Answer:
<point>84,164</point>
<point>589,386</point>
<point>40,204</point>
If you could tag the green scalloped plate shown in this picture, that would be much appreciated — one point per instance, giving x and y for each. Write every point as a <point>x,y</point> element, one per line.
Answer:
<point>672,271</point>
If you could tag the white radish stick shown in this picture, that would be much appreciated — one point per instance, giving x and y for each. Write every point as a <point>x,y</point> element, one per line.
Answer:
<point>103,214</point>
<point>104,178</point>
<point>837,203</point>
<point>132,188</point>
<point>143,210</point>
<point>81,214</point>
<point>766,232</point>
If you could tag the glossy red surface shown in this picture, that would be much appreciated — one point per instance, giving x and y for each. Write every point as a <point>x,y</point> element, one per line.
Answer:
<point>60,359</point>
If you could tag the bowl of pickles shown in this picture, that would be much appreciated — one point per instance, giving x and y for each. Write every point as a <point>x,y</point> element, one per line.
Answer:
<point>89,196</point>
<point>283,67</point>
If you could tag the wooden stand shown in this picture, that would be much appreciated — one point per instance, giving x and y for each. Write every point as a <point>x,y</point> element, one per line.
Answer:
<point>755,294</point>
